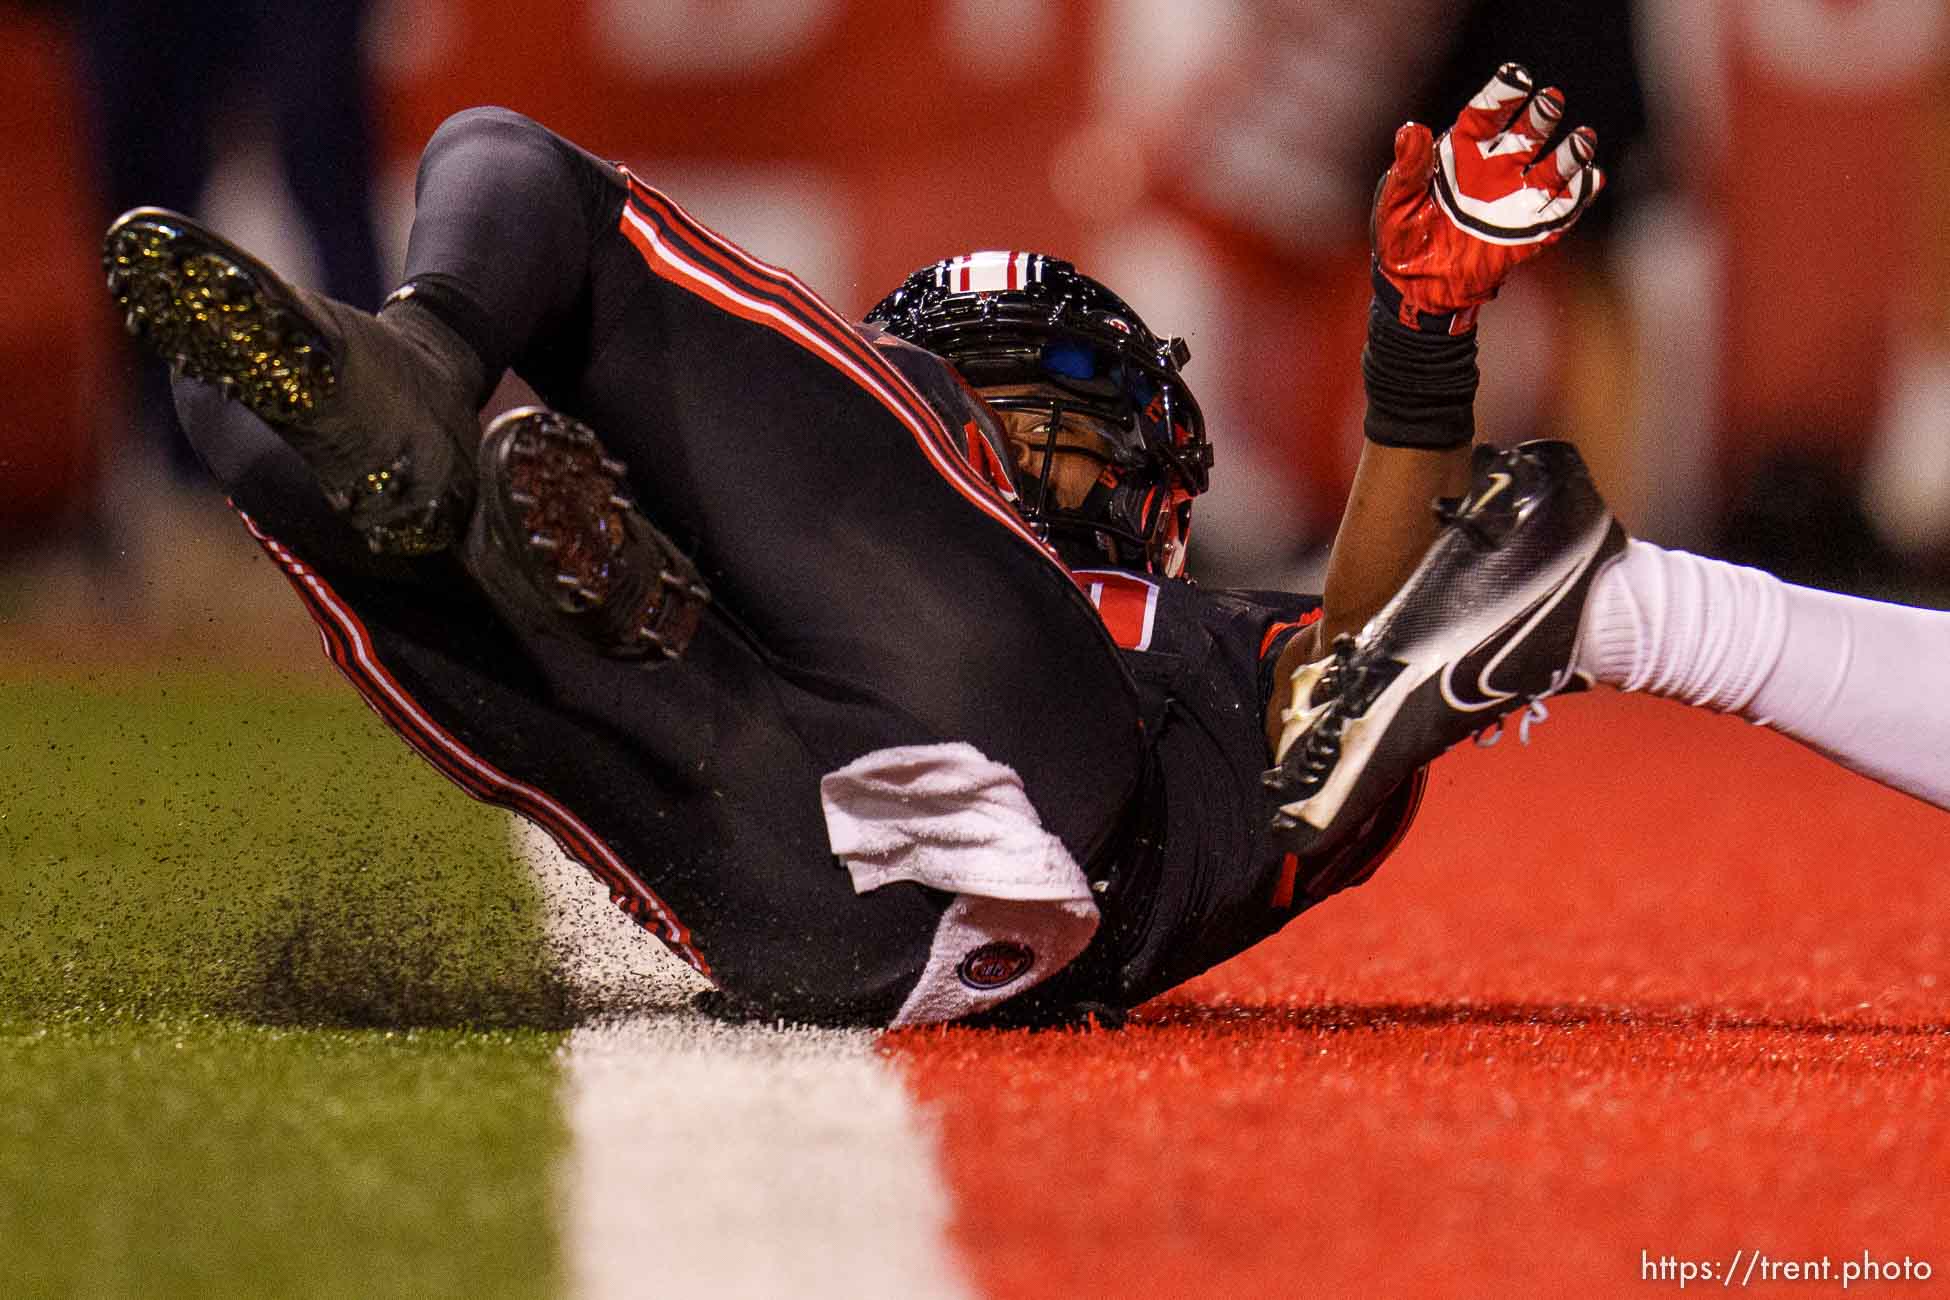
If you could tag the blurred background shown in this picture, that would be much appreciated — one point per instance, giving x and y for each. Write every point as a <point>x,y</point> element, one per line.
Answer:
<point>1749,336</point>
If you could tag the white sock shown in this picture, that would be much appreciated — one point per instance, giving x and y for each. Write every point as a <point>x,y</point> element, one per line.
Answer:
<point>1863,682</point>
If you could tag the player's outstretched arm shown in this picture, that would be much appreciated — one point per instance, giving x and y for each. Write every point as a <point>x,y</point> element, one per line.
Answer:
<point>1453,217</point>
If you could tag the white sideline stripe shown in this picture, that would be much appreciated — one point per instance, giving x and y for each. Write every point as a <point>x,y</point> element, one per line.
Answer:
<point>728,1161</point>
<point>609,959</point>
<point>714,1160</point>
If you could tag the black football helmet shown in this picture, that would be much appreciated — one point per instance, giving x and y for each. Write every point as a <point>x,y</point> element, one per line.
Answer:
<point>1004,318</point>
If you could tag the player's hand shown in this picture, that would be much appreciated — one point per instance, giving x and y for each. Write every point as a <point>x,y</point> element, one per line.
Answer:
<point>1453,217</point>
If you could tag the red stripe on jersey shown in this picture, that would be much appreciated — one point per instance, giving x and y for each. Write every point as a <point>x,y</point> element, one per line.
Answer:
<point>1127,603</point>
<point>1283,888</point>
<point>963,284</point>
<point>349,645</point>
<point>1420,782</point>
<point>1014,258</point>
<point>1307,619</point>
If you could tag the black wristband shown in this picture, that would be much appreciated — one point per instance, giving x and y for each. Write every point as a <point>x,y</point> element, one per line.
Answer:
<point>1421,383</point>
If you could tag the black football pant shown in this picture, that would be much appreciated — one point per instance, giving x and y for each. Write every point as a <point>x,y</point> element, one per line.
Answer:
<point>867,592</point>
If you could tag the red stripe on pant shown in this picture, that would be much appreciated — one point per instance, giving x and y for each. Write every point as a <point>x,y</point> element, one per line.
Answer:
<point>349,646</point>
<point>740,268</point>
<point>734,281</point>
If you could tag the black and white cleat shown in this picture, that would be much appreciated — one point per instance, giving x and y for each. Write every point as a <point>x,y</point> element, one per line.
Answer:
<point>1487,624</point>
<point>559,542</point>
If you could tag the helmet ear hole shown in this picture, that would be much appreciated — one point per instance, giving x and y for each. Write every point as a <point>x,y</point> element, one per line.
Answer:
<point>1009,319</point>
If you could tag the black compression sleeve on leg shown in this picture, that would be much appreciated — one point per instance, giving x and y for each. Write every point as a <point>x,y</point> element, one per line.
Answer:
<point>1421,385</point>
<point>451,303</point>
<point>506,213</point>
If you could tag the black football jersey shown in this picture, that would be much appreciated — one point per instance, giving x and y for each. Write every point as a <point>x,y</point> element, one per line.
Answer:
<point>1195,878</point>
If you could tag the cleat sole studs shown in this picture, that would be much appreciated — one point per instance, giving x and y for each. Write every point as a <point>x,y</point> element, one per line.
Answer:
<point>566,516</point>
<point>212,321</point>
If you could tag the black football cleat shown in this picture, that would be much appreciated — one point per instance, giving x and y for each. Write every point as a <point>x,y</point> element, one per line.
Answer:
<point>1487,624</point>
<point>561,547</point>
<point>381,418</point>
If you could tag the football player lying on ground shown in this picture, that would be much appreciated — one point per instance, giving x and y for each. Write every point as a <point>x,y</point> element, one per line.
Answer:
<point>855,660</point>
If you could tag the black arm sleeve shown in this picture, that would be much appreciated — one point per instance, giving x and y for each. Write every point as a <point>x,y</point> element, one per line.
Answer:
<point>1421,382</point>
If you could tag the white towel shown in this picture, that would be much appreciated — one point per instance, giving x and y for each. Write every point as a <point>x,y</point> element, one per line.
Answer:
<point>949,817</point>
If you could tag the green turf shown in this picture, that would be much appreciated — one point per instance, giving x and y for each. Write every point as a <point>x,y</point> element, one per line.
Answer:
<point>222,1159</point>
<point>275,1017</point>
<point>174,845</point>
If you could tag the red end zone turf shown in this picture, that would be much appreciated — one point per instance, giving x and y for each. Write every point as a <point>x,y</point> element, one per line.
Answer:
<point>1661,984</point>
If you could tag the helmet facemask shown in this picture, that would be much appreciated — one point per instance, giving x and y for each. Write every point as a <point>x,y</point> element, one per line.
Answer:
<point>1073,352</point>
<point>1130,512</point>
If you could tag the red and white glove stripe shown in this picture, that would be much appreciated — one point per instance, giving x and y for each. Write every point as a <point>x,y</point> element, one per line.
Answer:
<point>1485,179</point>
<point>1454,217</point>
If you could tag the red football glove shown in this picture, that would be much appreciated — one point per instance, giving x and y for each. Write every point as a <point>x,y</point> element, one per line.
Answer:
<point>1453,217</point>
